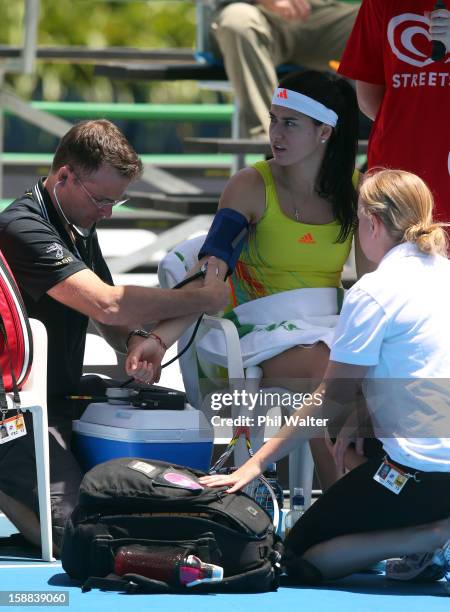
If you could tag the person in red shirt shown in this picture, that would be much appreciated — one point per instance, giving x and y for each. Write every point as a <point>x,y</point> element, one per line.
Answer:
<point>403,90</point>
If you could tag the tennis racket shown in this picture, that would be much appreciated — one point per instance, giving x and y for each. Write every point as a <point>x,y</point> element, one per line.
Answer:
<point>259,488</point>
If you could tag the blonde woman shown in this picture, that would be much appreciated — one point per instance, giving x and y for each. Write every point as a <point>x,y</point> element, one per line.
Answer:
<point>393,336</point>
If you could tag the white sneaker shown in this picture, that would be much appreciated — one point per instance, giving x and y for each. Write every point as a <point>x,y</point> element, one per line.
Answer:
<point>419,567</point>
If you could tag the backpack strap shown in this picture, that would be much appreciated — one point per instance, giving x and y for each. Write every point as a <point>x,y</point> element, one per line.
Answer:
<point>108,583</point>
<point>262,579</point>
<point>128,583</point>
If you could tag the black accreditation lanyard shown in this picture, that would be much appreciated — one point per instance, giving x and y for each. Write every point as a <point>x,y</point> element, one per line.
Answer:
<point>82,245</point>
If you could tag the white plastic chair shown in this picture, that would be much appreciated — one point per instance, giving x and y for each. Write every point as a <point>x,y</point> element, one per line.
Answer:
<point>33,398</point>
<point>171,270</point>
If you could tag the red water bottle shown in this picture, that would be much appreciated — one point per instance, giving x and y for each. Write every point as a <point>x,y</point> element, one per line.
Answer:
<point>159,564</point>
<point>166,563</point>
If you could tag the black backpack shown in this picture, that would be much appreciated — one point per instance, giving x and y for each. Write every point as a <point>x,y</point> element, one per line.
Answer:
<point>160,505</point>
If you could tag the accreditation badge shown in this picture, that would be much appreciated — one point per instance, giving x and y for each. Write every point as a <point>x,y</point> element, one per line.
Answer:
<point>12,428</point>
<point>391,477</point>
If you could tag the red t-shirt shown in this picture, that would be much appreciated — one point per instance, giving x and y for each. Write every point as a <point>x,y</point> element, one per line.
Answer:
<point>390,46</point>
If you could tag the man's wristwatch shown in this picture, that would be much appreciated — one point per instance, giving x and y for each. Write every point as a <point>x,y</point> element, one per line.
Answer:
<point>145,334</point>
<point>136,332</point>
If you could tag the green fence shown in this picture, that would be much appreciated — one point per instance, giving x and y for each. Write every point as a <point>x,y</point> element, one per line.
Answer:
<point>147,112</point>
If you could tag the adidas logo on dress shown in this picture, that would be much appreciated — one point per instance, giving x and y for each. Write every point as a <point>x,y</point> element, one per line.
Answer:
<point>307,239</point>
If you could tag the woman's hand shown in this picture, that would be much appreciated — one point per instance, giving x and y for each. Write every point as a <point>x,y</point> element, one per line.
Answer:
<point>144,358</point>
<point>347,436</point>
<point>237,480</point>
<point>339,449</point>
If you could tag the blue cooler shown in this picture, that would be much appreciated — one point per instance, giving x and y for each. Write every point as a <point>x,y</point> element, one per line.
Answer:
<point>107,431</point>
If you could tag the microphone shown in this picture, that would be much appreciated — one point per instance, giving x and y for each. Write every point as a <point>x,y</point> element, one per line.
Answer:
<point>438,51</point>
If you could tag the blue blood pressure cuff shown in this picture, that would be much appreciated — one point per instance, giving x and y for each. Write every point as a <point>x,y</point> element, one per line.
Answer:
<point>226,237</point>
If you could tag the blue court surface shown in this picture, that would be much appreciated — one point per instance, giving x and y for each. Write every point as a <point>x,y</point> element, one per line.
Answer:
<point>358,593</point>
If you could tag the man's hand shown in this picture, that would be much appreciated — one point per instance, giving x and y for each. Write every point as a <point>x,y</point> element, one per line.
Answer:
<point>144,358</point>
<point>218,290</point>
<point>289,10</point>
<point>440,26</point>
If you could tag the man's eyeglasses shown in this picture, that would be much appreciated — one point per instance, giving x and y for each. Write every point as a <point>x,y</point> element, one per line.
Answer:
<point>100,203</point>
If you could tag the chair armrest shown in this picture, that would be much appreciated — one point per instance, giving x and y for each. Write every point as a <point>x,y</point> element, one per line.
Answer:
<point>234,356</point>
<point>37,380</point>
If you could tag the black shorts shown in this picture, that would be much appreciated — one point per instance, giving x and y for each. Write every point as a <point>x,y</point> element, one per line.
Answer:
<point>18,470</point>
<point>357,503</point>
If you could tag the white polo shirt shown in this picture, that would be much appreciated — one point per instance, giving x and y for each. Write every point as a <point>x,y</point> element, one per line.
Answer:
<point>396,321</point>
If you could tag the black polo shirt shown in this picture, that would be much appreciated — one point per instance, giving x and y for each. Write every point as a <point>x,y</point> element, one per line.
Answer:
<point>41,254</point>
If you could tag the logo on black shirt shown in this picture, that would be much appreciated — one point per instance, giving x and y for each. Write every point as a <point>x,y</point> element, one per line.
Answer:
<point>55,248</point>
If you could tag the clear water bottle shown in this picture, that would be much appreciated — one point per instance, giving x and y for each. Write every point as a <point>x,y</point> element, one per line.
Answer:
<point>298,508</point>
<point>167,564</point>
<point>263,498</point>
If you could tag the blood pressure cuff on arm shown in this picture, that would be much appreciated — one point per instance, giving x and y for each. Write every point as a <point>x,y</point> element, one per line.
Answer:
<point>226,237</point>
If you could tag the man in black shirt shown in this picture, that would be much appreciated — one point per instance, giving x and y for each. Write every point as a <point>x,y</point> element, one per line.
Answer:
<point>49,240</point>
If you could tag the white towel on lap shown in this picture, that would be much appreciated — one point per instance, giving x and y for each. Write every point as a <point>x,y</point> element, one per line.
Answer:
<point>267,326</point>
<point>272,324</point>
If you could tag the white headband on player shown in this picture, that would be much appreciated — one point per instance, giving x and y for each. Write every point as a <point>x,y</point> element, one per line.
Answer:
<point>304,104</point>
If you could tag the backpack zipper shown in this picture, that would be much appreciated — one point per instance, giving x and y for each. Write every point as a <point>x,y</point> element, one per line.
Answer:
<point>99,516</point>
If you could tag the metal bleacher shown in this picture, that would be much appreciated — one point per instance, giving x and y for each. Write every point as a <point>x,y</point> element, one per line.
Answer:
<point>174,216</point>
<point>178,205</point>
<point>51,117</point>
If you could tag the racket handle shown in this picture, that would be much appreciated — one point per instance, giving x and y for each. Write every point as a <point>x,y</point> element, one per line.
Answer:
<point>438,50</point>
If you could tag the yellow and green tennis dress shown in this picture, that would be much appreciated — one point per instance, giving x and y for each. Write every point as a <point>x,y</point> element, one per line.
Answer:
<point>282,254</point>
